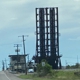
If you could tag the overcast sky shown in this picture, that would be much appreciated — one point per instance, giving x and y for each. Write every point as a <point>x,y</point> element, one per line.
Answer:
<point>17,17</point>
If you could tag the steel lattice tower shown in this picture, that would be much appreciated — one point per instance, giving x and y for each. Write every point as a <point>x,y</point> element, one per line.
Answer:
<point>47,36</point>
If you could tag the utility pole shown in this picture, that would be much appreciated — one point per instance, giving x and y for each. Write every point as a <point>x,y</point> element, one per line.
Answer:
<point>24,51</point>
<point>77,59</point>
<point>6,63</point>
<point>17,50</point>
<point>28,58</point>
<point>2,65</point>
<point>77,62</point>
<point>66,63</point>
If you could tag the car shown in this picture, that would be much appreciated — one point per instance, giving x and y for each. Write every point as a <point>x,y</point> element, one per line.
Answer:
<point>30,70</point>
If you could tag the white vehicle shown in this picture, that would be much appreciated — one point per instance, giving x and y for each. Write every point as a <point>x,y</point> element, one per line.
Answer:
<point>30,70</point>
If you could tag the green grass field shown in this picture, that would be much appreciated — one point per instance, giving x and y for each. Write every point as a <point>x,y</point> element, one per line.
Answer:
<point>57,75</point>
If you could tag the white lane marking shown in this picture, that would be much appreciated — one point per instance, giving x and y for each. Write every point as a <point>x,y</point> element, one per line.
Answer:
<point>7,77</point>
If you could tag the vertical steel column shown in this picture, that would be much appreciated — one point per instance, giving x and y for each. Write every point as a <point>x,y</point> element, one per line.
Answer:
<point>42,33</point>
<point>59,61</point>
<point>52,38</point>
<point>47,39</point>
<point>36,57</point>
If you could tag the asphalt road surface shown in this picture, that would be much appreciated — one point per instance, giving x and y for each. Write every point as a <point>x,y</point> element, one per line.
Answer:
<point>5,75</point>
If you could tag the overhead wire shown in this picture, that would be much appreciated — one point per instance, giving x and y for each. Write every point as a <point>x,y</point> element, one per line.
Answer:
<point>9,43</point>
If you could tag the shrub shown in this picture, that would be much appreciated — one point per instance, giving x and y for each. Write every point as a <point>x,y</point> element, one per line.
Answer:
<point>43,70</point>
<point>77,73</point>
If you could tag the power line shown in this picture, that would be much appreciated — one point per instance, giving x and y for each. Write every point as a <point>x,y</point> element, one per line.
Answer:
<point>9,43</point>
<point>70,57</point>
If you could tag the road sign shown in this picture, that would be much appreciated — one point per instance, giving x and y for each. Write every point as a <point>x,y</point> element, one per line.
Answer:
<point>43,63</point>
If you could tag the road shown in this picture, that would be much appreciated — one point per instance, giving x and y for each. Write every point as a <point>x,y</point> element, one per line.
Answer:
<point>5,75</point>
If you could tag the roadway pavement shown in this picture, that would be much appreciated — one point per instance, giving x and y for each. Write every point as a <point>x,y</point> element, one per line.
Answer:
<point>5,75</point>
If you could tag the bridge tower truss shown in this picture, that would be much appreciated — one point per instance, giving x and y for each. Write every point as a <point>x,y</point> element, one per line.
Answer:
<point>47,36</point>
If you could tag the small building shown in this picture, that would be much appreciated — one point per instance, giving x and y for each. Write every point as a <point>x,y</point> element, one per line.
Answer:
<point>17,63</point>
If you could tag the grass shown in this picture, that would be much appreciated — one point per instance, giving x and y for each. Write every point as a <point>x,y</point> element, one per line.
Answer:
<point>58,75</point>
<point>28,76</point>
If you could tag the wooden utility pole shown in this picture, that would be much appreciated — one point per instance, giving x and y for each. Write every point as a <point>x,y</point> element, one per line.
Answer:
<point>2,65</point>
<point>6,63</point>
<point>17,50</point>
<point>24,51</point>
